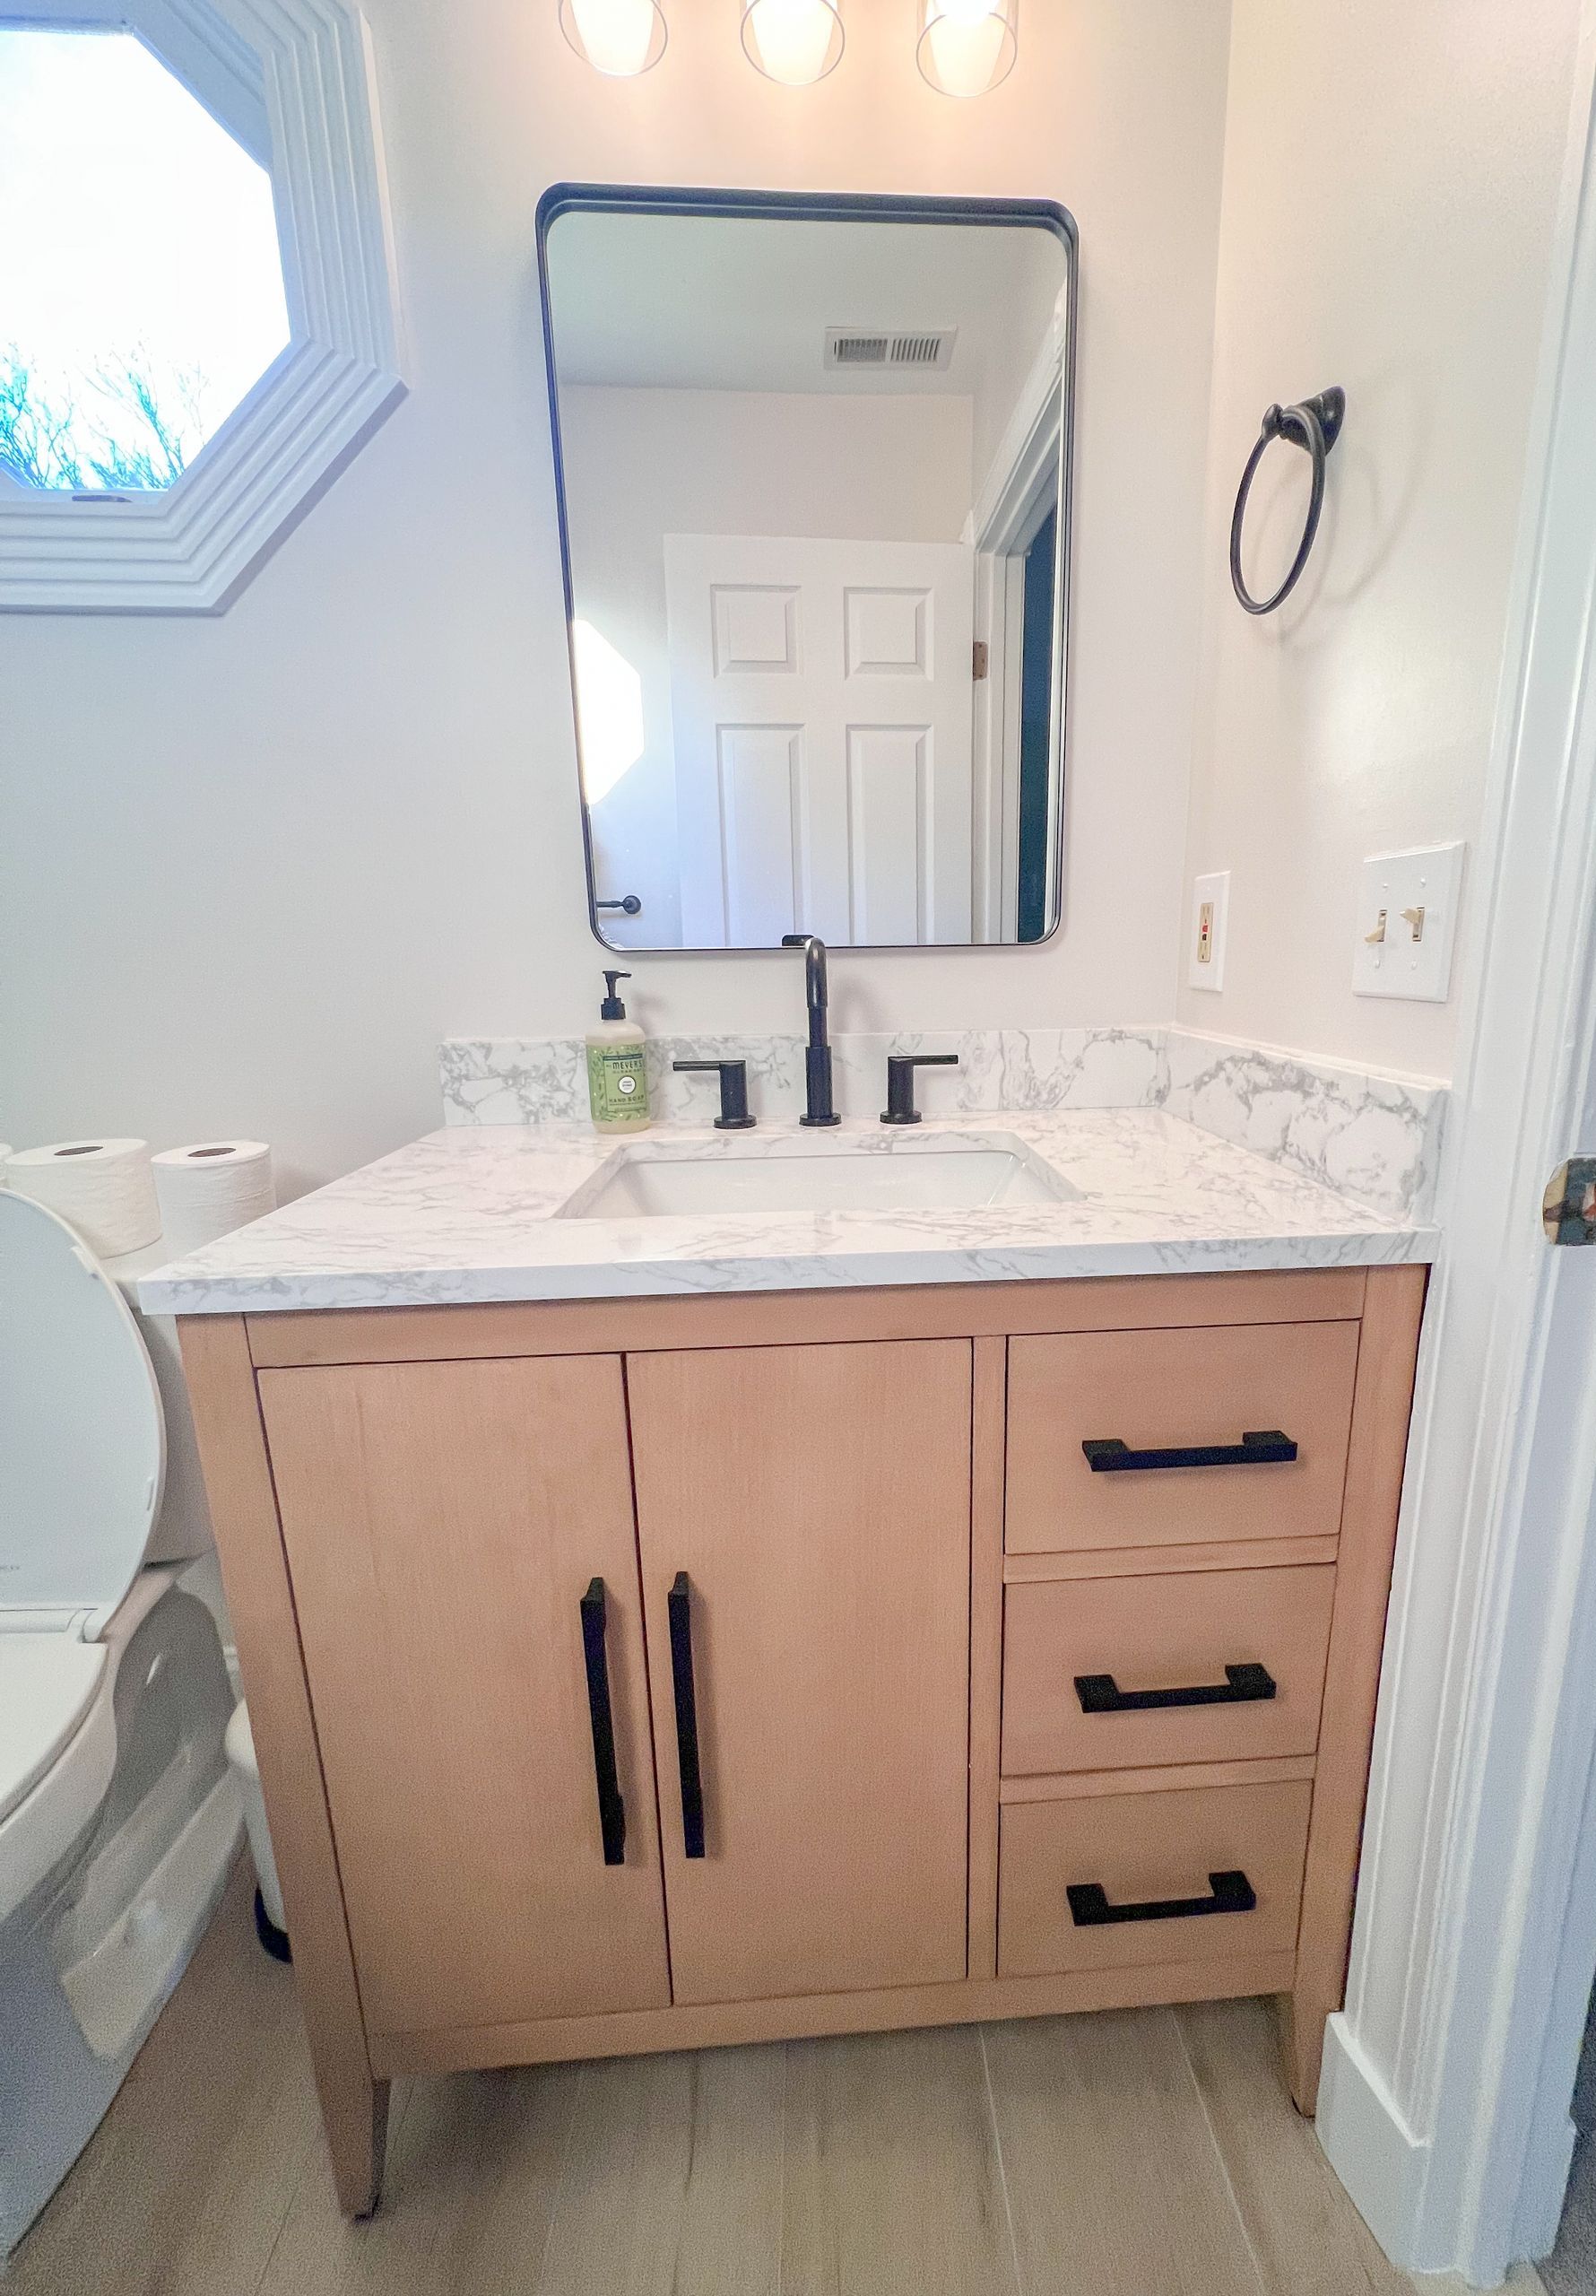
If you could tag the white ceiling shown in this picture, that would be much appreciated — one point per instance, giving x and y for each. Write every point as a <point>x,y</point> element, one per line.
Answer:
<point>744,303</point>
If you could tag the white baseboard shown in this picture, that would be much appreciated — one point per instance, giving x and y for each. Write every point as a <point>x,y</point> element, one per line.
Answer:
<point>1371,2148</point>
<point>1547,2167</point>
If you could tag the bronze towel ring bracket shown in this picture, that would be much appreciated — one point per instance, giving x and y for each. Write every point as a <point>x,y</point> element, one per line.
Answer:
<point>1314,426</point>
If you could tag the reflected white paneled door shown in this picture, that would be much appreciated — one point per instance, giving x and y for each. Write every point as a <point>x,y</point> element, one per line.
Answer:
<point>821,695</point>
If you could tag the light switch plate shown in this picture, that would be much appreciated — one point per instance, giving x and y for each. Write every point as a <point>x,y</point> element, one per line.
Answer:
<point>1407,924</point>
<point>1210,909</point>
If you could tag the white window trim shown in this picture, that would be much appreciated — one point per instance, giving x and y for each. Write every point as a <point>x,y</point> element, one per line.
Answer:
<point>293,82</point>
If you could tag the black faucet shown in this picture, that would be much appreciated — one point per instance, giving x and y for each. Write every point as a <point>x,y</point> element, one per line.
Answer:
<point>817,1060</point>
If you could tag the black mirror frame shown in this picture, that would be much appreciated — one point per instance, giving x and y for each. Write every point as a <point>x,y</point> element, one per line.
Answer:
<point>657,199</point>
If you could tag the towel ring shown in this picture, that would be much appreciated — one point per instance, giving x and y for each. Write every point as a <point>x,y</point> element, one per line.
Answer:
<point>1315,426</point>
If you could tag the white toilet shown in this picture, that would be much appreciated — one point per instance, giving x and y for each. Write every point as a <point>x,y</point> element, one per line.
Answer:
<point>118,1818</point>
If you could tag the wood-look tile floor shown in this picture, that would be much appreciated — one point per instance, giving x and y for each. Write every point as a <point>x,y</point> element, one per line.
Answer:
<point>1150,2153</point>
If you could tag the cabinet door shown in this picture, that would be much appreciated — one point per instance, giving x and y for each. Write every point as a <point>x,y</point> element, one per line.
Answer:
<point>817,1500</point>
<point>443,1522</point>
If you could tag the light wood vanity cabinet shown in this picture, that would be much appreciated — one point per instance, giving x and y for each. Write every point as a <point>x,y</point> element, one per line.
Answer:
<point>651,1674</point>
<point>442,1523</point>
<point>818,1500</point>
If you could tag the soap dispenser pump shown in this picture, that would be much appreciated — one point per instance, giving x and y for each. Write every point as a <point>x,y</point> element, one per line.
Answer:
<point>617,1081</point>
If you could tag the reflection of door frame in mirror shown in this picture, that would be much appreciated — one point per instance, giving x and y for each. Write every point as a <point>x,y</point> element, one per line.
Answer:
<point>1030,477</point>
<point>1044,429</point>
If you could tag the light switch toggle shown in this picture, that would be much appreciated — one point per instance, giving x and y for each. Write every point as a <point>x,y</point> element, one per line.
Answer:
<point>1406,917</point>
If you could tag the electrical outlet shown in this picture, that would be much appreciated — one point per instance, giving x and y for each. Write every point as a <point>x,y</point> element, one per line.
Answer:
<point>1210,905</point>
<point>1407,922</point>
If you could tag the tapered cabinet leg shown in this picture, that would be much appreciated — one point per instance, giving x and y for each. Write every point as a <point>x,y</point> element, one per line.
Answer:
<point>1302,2032</point>
<point>358,2139</point>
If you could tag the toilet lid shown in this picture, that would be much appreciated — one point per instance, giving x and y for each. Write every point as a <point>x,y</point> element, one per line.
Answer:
<point>83,1444</point>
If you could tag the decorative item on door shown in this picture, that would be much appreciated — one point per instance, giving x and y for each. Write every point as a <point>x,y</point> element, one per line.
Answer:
<point>1314,425</point>
<point>1569,1208</point>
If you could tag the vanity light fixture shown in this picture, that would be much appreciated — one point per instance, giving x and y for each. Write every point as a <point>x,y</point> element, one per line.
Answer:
<point>794,41</point>
<point>966,47</point>
<point>619,38</point>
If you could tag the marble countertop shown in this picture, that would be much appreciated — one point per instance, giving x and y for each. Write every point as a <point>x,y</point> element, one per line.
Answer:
<point>468,1214</point>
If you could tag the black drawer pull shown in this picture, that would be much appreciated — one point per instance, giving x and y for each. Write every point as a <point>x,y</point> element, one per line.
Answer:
<point>1108,1454</point>
<point>679,1607</point>
<point>612,1808</point>
<point>1101,1694</point>
<point>1089,1908</point>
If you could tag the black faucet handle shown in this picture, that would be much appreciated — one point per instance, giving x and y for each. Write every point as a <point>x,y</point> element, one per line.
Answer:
<point>733,1091</point>
<point>900,1082</point>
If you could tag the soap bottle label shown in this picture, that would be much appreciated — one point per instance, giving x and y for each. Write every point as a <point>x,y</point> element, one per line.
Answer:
<point>617,1087</point>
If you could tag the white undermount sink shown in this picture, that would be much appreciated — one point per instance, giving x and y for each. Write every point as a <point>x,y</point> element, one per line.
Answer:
<point>671,1181</point>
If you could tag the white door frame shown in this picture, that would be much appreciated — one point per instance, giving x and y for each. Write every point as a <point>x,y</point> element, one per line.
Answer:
<point>1448,2074</point>
<point>1028,476</point>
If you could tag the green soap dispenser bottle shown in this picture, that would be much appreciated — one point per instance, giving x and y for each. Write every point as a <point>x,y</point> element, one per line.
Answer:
<point>617,1082</point>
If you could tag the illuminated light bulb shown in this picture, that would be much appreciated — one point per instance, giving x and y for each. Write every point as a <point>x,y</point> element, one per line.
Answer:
<point>967,47</point>
<point>794,41</point>
<point>619,38</point>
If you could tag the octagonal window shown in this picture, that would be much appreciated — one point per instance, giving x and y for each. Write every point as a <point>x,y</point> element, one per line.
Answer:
<point>141,278</point>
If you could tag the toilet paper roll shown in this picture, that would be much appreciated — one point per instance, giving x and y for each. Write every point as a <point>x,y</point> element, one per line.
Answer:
<point>210,1188</point>
<point>104,1188</point>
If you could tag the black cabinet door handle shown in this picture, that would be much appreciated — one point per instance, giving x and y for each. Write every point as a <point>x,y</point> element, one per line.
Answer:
<point>1089,1908</point>
<point>1101,1694</point>
<point>1108,1454</point>
<point>612,1808</point>
<point>679,1605</point>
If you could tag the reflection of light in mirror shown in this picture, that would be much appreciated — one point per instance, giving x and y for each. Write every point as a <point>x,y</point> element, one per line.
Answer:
<point>967,45</point>
<point>796,41</point>
<point>620,37</point>
<point>610,711</point>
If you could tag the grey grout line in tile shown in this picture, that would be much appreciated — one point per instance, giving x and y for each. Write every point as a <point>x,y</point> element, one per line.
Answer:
<point>997,2144</point>
<point>781,2180</point>
<point>583,2076</point>
<point>1219,2152</point>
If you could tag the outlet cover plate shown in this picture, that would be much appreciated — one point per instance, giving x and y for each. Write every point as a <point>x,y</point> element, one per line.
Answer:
<point>1205,946</point>
<point>1405,962</point>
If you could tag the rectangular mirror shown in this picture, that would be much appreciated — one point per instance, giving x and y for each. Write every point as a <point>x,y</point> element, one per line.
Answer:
<point>813,463</point>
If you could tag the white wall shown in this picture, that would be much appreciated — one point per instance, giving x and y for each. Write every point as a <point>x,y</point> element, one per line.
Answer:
<point>1391,175</point>
<point>1012,354</point>
<point>252,869</point>
<point>641,464</point>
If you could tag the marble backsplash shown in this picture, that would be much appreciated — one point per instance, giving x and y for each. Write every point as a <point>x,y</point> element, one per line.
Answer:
<point>1371,1137</point>
<point>528,1080</point>
<point>1374,1137</point>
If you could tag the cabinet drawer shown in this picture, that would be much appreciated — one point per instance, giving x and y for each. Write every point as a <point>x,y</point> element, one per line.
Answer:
<point>1166,1633</point>
<point>1143,1849</point>
<point>1157,1391</point>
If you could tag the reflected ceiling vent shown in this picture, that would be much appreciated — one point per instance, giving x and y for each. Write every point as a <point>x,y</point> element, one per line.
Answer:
<point>929,349</point>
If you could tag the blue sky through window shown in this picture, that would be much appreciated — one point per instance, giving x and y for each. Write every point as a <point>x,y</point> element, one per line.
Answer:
<point>140,283</point>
